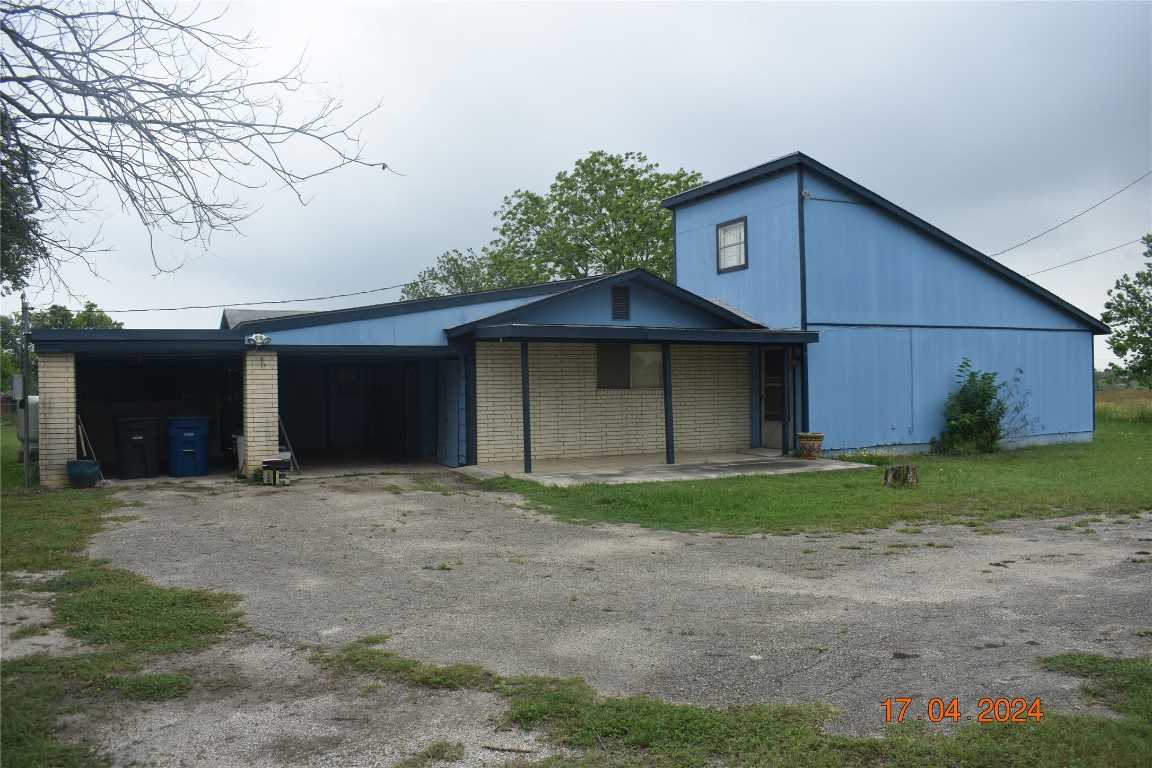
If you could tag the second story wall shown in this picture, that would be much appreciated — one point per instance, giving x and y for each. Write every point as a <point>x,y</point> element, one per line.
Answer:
<point>769,288</point>
<point>866,266</point>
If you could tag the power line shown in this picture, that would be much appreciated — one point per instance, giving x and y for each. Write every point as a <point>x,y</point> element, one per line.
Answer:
<point>258,303</point>
<point>1083,258</point>
<point>1073,218</point>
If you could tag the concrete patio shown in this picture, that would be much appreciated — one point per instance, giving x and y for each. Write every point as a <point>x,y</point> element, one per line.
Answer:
<point>651,467</point>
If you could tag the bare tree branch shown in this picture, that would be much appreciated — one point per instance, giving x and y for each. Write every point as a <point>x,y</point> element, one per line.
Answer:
<point>159,103</point>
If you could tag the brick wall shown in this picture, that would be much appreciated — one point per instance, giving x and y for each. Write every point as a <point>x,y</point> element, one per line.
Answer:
<point>57,416</point>
<point>261,408</point>
<point>571,418</point>
<point>710,398</point>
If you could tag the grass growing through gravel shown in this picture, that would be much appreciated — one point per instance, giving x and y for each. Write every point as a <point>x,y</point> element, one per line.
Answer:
<point>439,752</point>
<point>640,732</point>
<point>126,621</point>
<point>1107,476</point>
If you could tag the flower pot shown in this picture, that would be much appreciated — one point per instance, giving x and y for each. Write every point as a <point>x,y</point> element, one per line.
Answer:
<point>810,443</point>
<point>83,473</point>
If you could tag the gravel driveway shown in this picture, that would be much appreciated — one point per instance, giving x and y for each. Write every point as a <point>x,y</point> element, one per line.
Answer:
<point>456,575</point>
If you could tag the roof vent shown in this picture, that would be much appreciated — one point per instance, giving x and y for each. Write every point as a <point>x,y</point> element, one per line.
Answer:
<point>621,303</point>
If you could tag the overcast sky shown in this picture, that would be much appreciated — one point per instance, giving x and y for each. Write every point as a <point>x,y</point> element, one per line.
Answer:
<point>993,122</point>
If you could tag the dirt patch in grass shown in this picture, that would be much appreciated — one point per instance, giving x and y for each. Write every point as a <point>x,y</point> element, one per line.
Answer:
<point>256,702</point>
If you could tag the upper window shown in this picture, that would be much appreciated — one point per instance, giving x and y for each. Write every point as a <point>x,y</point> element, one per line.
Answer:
<point>629,366</point>
<point>732,245</point>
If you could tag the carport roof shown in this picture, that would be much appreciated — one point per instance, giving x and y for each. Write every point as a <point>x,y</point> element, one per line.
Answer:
<point>150,342</point>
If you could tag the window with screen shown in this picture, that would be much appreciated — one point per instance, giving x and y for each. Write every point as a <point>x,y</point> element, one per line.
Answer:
<point>732,245</point>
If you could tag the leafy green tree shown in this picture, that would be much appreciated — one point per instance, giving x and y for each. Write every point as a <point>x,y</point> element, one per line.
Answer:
<point>90,317</point>
<point>602,217</point>
<point>21,240</point>
<point>469,271</point>
<point>1128,311</point>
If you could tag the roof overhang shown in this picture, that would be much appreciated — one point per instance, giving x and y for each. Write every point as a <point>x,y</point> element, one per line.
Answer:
<point>128,343</point>
<point>640,334</point>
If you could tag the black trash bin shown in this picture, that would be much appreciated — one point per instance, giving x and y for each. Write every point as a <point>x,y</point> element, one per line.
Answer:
<point>136,446</point>
<point>187,446</point>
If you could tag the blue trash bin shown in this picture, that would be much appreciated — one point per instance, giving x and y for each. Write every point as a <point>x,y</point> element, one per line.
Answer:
<point>187,446</point>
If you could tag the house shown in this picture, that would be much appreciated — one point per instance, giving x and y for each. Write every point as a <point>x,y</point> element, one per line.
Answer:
<point>802,301</point>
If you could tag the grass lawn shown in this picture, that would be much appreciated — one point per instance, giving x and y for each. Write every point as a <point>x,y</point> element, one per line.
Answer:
<point>640,732</point>
<point>1107,476</point>
<point>128,622</point>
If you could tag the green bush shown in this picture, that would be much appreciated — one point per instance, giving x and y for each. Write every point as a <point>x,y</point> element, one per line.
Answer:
<point>975,413</point>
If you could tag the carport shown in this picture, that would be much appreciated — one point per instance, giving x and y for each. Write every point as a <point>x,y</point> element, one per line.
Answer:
<point>361,407</point>
<point>103,379</point>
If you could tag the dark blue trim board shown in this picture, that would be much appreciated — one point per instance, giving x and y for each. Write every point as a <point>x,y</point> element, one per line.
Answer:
<point>642,334</point>
<point>801,240</point>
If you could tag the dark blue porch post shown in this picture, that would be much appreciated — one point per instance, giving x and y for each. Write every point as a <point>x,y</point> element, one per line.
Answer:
<point>669,427</point>
<point>785,391</point>
<point>526,404</point>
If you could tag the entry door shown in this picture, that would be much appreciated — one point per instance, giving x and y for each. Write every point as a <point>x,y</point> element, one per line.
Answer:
<point>772,404</point>
<point>347,406</point>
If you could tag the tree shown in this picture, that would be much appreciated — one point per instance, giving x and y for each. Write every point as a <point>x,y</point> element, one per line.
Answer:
<point>157,102</point>
<point>21,241</point>
<point>55,316</point>
<point>1128,311</point>
<point>467,272</point>
<point>602,217</point>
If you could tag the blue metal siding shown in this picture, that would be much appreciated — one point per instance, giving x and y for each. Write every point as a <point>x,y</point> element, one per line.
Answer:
<point>860,387</point>
<point>769,289</point>
<point>1052,364</point>
<point>865,381</point>
<point>417,329</point>
<point>648,307</point>
<point>866,266</point>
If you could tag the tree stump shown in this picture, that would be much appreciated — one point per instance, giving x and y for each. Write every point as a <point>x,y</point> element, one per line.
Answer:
<point>902,475</point>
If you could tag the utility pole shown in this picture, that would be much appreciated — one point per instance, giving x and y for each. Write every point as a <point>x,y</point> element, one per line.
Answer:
<point>27,389</point>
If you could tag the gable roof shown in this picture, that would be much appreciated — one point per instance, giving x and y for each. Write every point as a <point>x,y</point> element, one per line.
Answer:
<point>798,160</point>
<point>334,316</point>
<point>234,318</point>
<point>635,276</point>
